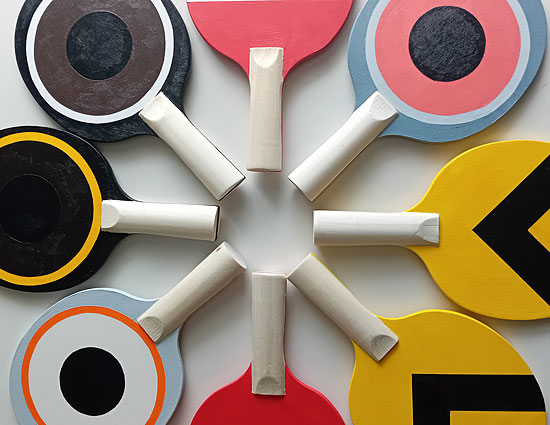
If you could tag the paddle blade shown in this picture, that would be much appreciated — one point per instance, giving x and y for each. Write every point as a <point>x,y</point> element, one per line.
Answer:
<point>447,369</point>
<point>300,27</point>
<point>235,404</point>
<point>493,257</point>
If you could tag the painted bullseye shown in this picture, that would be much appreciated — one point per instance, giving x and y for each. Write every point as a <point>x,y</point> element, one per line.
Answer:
<point>29,208</point>
<point>447,43</point>
<point>92,381</point>
<point>422,90</point>
<point>99,45</point>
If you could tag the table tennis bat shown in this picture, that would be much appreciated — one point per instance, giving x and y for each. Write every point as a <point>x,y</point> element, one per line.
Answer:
<point>267,38</point>
<point>268,393</point>
<point>102,356</point>
<point>430,70</point>
<point>108,70</point>
<point>446,369</point>
<point>62,211</point>
<point>482,229</point>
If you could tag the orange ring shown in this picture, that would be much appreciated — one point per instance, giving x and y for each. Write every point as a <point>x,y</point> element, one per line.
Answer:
<point>161,382</point>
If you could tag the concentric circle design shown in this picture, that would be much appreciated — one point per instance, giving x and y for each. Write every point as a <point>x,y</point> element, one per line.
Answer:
<point>489,85</point>
<point>62,337</point>
<point>490,53</point>
<point>46,187</point>
<point>84,85</point>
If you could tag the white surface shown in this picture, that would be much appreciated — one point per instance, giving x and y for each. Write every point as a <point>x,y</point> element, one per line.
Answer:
<point>356,228</point>
<point>323,288</point>
<point>208,278</point>
<point>328,161</point>
<point>198,222</point>
<point>269,221</point>
<point>265,150</point>
<point>268,333</point>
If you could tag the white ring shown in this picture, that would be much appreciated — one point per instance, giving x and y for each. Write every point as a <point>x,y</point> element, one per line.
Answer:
<point>466,117</point>
<point>116,116</point>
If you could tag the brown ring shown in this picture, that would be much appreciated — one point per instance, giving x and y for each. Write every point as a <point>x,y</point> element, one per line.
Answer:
<point>99,97</point>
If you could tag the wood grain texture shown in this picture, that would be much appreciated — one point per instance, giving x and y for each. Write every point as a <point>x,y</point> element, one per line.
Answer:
<point>213,274</point>
<point>268,331</point>
<point>210,166</point>
<point>198,222</point>
<point>354,228</point>
<point>322,288</point>
<point>265,150</point>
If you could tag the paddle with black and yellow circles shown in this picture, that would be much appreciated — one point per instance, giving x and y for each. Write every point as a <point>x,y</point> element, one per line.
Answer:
<point>62,211</point>
<point>446,369</point>
<point>109,70</point>
<point>482,229</point>
<point>105,357</point>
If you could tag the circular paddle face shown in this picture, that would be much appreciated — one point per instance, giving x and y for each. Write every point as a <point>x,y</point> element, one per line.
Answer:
<point>450,67</point>
<point>93,65</point>
<point>300,27</point>
<point>493,257</point>
<point>51,188</point>
<point>446,369</point>
<point>236,404</point>
<point>87,361</point>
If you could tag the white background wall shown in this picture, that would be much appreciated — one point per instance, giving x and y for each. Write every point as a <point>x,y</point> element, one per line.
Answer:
<point>268,220</point>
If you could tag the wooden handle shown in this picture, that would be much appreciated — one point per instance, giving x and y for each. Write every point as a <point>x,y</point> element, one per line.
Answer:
<point>345,228</point>
<point>323,289</point>
<point>268,331</point>
<point>213,169</point>
<point>265,152</point>
<point>325,164</point>
<point>213,274</point>
<point>181,221</point>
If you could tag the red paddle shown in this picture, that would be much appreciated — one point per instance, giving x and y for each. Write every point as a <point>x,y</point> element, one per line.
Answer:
<point>267,38</point>
<point>268,393</point>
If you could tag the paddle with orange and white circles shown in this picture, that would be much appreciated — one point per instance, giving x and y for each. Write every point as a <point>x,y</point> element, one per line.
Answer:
<point>104,357</point>
<point>268,393</point>
<point>447,368</point>
<point>109,70</point>
<point>482,229</point>
<point>430,70</point>
<point>62,211</point>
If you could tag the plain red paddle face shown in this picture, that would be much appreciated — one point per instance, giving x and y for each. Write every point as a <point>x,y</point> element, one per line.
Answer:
<point>300,27</point>
<point>235,404</point>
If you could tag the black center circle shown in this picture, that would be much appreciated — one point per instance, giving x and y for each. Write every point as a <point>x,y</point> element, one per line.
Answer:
<point>92,381</point>
<point>99,45</point>
<point>447,43</point>
<point>29,208</point>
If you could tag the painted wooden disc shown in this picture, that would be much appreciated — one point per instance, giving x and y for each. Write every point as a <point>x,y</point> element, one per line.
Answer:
<point>93,65</point>
<point>450,67</point>
<point>236,404</point>
<point>52,185</point>
<point>494,252</point>
<point>300,27</point>
<point>446,369</point>
<point>86,361</point>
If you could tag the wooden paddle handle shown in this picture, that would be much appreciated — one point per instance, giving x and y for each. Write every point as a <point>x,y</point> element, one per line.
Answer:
<point>265,152</point>
<point>211,167</point>
<point>181,221</point>
<point>346,228</point>
<point>331,158</point>
<point>323,288</point>
<point>213,274</point>
<point>268,331</point>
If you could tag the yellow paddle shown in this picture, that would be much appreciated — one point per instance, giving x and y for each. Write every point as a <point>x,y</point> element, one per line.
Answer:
<point>482,229</point>
<point>447,369</point>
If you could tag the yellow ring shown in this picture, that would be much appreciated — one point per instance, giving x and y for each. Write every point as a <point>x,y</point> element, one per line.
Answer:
<point>95,228</point>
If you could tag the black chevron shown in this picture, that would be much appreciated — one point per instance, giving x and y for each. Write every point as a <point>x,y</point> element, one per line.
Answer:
<point>506,230</point>
<point>436,396</point>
